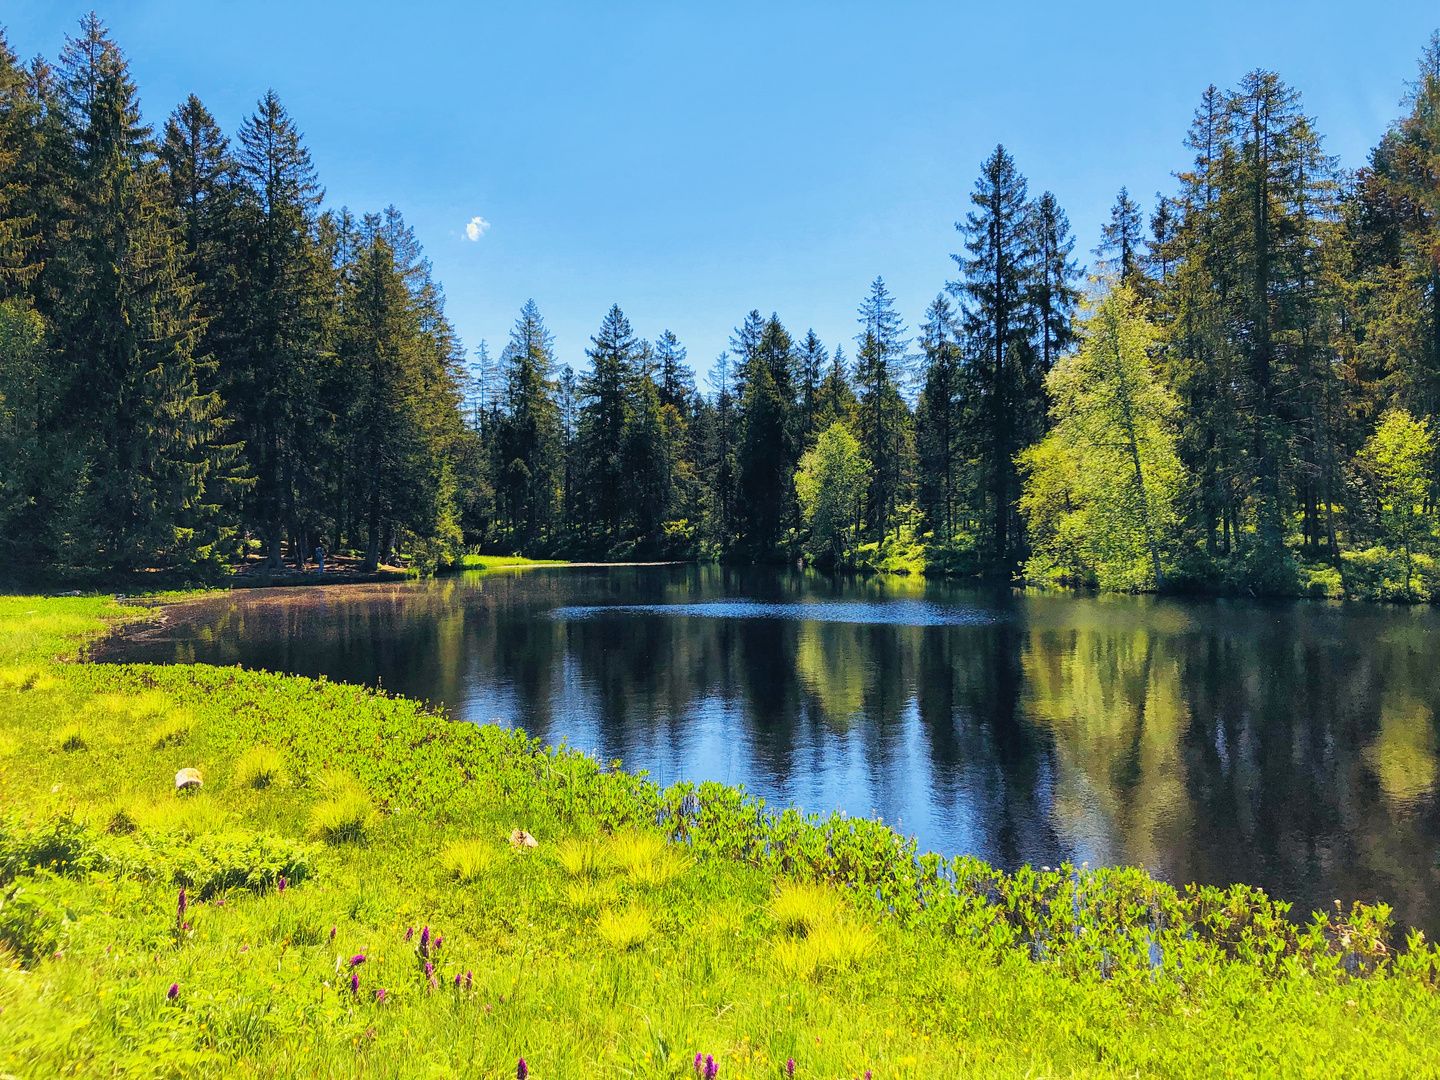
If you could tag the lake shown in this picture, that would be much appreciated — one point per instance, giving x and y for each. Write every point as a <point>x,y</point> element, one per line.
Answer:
<point>1290,745</point>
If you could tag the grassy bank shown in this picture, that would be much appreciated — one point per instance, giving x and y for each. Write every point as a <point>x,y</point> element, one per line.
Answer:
<point>647,926</point>
<point>497,562</point>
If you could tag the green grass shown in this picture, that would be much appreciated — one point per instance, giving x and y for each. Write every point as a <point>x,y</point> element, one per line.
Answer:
<point>497,562</point>
<point>616,947</point>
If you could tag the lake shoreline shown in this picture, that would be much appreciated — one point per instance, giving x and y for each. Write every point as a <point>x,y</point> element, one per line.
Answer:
<point>822,922</point>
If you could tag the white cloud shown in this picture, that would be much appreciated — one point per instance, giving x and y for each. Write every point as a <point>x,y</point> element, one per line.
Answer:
<point>476,228</point>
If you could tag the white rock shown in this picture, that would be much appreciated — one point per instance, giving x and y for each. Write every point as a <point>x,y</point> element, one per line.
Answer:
<point>187,778</point>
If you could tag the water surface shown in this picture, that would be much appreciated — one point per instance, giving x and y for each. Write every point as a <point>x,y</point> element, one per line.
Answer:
<point>1287,745</point>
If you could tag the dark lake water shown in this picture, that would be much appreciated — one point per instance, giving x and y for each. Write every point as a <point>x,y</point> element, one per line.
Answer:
<point>1288,745</point>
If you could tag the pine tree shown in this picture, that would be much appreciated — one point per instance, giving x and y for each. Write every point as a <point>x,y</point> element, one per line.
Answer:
<point>282,311</point>
<point>126,335</point>
<point>1007,387</point>
<point>938,417</point>
<point>883,418</point>
<point>676,382</point>
<point>1121,239</point>
<point>197,162</point>
<point>1053,294</point>
<point>530,437</point>
<point>18,224</point>
<point>605,388</point>
<point>765,464</point>
<point>810,360</point>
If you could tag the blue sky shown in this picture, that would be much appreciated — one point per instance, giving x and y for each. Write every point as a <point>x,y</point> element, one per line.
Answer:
<point>692,162</point>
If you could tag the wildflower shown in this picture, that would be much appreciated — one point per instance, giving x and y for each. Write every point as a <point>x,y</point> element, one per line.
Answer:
<point>789,1066</point>
<point>522,1070</point>
<point>439,940</point>
<point>867,1074</point>
<point>180,909</point>
<point>355,982</point>
<point>699,1063</point>
<point>332,932</point>
<point>488,1006</point>
<point>425,942</point>
<point>357,959</point>
<point>409,933</point>
<point>458,977</point>
<point>710,1067</point>
<point>380,996</point>
<point>280,884</point>
<point>468,981</point>
<point>429,969</point>
<point>173,992</point>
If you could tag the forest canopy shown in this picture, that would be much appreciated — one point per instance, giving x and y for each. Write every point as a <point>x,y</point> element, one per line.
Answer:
<point>200,363</point>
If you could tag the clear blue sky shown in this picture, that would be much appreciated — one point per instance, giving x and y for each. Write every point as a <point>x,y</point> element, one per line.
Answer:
<point>692,162</point>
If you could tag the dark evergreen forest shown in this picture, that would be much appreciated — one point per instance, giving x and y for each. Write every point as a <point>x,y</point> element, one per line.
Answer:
<point>200,363</point>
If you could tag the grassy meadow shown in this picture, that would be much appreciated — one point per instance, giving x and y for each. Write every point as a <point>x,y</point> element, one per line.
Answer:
<point>354,906</point>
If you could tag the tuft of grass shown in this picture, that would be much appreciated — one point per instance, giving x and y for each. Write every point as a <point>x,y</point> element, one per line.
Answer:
<point>259,767</point>
<point>584,858</point>
<point>173,730</point>
<point>71,737</point>
<point>26,677</point>
<point>801,908</point>
<point>590,895</point>
<point>345,818</point>
<point>468,859</point>
<point>625,930</point>
<point>647,859</point>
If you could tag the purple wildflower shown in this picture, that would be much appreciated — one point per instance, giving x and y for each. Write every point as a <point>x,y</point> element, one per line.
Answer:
<point>281,885</point>
<point>468,981</point>
<point>173,992</point>
<point>789,1066</point>
<point>409,933</point>
<point>425,942</point>
<point>180,908</point>
<point>710,1067</point>
<point>699,1062</point>
<point>380,996</point>
<point>522,1070</point>
<point>355,982</point>
<point>458,977</point>
<point>185,927</point>
<point>439,940</point>
<point>867,1074</point>
<point>357,959</point>
<point>332,932</point>
<point>429,968</point>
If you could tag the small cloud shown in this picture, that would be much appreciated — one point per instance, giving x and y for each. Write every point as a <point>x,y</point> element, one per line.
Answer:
<point>476,228</point>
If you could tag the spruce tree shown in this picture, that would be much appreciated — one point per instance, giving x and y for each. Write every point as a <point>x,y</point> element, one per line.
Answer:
<point>126,333</point>
<point>603,417</point>
<point>810,360</point>
<point>530,435</point>
<point>1121,238</point>
<point>1053,293</point>
<point>883,418</point>
<point>997,274</point>
<point>938,417</point>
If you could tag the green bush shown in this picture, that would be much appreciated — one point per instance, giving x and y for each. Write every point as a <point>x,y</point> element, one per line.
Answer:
<point>33,925</point>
